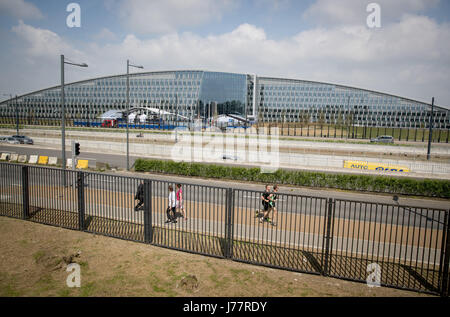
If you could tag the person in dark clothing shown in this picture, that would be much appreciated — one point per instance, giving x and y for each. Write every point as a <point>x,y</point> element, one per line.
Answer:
<point>140,197</point>
<point>270,198</point>
<point>264,201</point>
<point>273,198</point>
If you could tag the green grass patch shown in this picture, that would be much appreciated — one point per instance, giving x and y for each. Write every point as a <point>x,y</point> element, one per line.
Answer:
<point>8,286</point>
<point>45,284</point>
<point>38,255</point>
<point>88,289</point>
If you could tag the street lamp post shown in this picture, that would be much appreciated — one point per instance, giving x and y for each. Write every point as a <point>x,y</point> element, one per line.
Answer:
<point>430,135</point>
<point>63,115</point>
<point>17,116</point>
<point>176,118</point>
<point>128,109</point>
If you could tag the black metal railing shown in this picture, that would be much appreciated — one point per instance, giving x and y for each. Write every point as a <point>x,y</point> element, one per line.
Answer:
<point>408,246</point>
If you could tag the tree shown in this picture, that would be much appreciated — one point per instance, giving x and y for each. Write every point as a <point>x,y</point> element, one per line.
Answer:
<point>283,116</point>
<point>304,116</point>
<point>321,116</point>
<point>340,119</point>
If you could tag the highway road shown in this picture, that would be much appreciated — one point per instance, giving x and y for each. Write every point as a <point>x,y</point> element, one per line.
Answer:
<point>119,161</point>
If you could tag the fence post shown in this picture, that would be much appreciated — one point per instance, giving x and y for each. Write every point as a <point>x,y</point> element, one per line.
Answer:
<point>445,257</point>
<point>80,186</point>
<point>327,237</point>
<point>148,226</point>
<point>25,193</point>
<point>229,207</point>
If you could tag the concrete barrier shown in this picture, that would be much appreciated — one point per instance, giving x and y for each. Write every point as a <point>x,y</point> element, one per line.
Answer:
<point>53,160</point>
<point>33,159</point>
<point>4,157</point>
<point>43,160</point>
<point>83,164</point>
<point>22,158</point>
<point>14,157</point>
<point>317,161</point>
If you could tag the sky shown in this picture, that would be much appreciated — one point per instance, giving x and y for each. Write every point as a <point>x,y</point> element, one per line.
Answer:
<point>407,54</point>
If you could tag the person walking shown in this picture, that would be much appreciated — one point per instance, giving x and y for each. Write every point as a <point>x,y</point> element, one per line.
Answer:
<point>180,201</point>
<point>272,205</point>
<point>265,202</point>
<point>140,197</point>
<point>171,209</point>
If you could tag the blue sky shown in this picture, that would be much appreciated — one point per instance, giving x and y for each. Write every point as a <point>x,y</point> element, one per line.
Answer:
<point>323,40</point>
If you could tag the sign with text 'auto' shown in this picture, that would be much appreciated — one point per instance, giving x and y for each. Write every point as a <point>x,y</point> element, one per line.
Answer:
<point>363,165</point>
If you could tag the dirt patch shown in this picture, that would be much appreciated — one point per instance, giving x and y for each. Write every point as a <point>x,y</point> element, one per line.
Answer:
<point>189,283</point>
<point>34,259</point>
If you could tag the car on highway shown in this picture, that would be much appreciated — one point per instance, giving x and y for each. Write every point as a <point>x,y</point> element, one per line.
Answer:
<point>383,139</point>
<point>9,140</point>
<point>23,139</point>
<point>230,157</point>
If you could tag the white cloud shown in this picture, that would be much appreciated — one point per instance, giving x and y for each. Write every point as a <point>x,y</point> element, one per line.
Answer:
<point>353,12</point>
<point>410,58</point>
<point>163,16</point>
<point>106,35</point>
<point>20,9</point>
<point>42,44</point>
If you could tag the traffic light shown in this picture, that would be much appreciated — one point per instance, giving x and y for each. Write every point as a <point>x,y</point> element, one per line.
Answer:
<point>77,148</point>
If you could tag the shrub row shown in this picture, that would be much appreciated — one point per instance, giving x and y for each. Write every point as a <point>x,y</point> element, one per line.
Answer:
<point>381,184</point>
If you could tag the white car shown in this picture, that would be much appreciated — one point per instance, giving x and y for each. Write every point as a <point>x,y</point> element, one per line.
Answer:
<point>383,139</point>
<point>11,140</point>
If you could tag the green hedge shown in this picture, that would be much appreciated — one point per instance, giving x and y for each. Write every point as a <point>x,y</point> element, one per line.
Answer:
<point>383,184</point>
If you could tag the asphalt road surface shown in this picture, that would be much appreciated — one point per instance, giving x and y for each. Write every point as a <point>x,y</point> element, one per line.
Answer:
<point>113,160</point>
<point>119,161</point>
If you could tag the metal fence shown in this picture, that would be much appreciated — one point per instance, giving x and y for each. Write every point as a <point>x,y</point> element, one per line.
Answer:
<point>397,246</point>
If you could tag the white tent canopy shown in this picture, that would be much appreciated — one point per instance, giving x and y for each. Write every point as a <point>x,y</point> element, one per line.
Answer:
<point>131,117</point>
<point>142,118</point>
<point>111,115</point>
<point>117,114</point>
<point>157,111</point>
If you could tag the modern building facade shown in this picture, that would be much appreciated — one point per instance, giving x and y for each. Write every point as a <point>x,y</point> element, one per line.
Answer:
<point>193,94</point>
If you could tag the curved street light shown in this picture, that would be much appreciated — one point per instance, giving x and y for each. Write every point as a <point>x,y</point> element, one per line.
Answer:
<point>63,114</point>
<point>128,108</point>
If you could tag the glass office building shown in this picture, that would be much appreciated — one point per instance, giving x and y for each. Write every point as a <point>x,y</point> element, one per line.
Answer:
<point>194,94</point>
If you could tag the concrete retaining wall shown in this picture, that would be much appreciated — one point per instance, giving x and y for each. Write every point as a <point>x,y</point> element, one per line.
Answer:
<point>292,160</point>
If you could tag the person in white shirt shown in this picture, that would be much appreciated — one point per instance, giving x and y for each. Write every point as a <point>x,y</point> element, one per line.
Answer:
<point>171,209</point>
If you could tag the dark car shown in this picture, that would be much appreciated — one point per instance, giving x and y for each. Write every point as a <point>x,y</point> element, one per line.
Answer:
<point>23,139</point>
<point>383,139</point>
